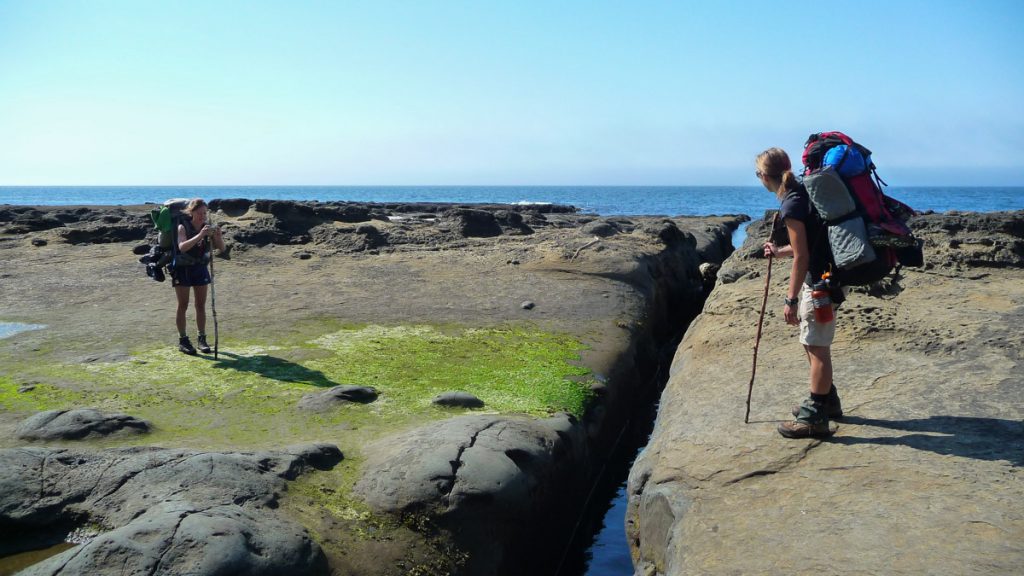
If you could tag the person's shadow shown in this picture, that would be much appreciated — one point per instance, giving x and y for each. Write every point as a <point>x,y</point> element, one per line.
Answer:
<point>272,367</point>
<point>969,437</point>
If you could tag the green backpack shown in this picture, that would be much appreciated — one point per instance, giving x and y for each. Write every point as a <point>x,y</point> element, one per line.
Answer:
<point>166,220</point>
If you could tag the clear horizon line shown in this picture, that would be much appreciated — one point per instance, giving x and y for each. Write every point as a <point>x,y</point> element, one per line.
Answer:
<point>2,186</point>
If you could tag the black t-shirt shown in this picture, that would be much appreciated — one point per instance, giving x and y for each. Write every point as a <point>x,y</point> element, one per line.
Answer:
<point>198,252</point>
<point>796,205</point>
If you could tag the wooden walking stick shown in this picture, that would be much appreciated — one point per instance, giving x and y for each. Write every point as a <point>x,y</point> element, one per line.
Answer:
<point>760,322</point>
<point>213,305</point>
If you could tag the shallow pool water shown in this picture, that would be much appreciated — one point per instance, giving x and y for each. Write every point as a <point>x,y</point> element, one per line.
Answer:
<point>18,562</point>
<point>8,329</point>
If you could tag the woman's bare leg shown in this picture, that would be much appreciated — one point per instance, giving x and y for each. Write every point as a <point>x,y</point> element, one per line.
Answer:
<point>182,293</point>
<point>201,308</point>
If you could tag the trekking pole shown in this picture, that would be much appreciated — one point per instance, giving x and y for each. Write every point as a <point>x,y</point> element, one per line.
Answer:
<point>760,322</point>
<point>213,305</point>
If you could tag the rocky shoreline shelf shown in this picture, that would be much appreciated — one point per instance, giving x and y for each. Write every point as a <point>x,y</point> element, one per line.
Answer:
<point>316,444</point>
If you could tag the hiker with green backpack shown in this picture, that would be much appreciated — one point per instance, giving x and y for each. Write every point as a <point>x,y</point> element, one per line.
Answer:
<point>195,238</point>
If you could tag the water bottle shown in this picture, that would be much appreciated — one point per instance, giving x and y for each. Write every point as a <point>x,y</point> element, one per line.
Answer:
<point>822,302</point>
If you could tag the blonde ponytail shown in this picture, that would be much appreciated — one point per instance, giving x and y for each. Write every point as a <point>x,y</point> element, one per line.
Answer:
<point>773,164</point>
<point>788,183</point>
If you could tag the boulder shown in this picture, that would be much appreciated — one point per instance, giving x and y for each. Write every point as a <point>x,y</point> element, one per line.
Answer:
<point>173,511</point>
<point>178,538</point>
<point>458,399</point>
<point>470,222</point>
<point>512,222</point>
<point>231,206</point>
<point>489,480</point>
<point>600,228</point>
<point>78,423</point>
<point>320,401</point>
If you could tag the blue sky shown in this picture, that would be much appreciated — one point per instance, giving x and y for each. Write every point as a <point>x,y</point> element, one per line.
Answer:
<point>518,93</point>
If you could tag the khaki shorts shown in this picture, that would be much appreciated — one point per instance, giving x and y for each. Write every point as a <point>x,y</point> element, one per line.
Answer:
<point>812,332</point>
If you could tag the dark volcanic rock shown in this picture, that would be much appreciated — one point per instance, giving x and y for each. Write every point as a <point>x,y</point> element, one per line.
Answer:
<point>77,424</point>
<point>33,221</point>
<point>669,233</point>
<point>101,226</point>
<point>264,231</point>
<point>175,538</point>
<point>231,206</point>
<point>458,399</point>
<point>991,240</point>
<point>372,237</point>
<point>470,222</point>
<point>170,511</point>
<point>489,479</point>
<point>512,222</point>
<point>600,228</point>
<point>327,399</point>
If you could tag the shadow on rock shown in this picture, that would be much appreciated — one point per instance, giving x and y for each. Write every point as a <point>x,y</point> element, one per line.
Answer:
<point>274,368</point>
<point>969,437</point>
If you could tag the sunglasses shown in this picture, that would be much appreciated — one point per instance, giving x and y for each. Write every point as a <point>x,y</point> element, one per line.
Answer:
<point>760,174</point>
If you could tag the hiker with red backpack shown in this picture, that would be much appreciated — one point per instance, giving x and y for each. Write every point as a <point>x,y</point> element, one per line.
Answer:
<point>804,228</point>
<point>842,231</point>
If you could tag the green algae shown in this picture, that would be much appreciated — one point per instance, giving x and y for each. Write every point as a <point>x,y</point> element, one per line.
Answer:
<point>330,492</point>
<point>248,396</point>
<point>35,397</point>
<point>345,526</point>
<point>512,370</point>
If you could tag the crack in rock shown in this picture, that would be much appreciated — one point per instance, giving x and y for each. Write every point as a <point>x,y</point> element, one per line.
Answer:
<point>170,542</point>
<point>446,490</point>
<point>778,465</point>
<point>131,475</point>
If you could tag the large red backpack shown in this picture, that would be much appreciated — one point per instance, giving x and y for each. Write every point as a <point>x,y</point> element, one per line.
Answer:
<point>884,217</point>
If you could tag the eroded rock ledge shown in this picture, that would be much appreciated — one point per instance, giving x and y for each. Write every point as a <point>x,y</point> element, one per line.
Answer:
<point>159,511</point>
<point>484,486</point>
<point>924,474</point>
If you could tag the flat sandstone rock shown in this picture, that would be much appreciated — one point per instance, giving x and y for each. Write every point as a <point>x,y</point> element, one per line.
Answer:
<point>924,474</point>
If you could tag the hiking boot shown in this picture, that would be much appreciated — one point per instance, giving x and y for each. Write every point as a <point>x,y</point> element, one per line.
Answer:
<point>185,346</point>
<point>203,346</point>
<point>798,429</point>
<point>833,407</point>
<point>811,421</point>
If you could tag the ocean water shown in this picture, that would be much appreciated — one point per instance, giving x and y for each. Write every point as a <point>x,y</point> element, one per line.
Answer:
<point>604,200</point>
